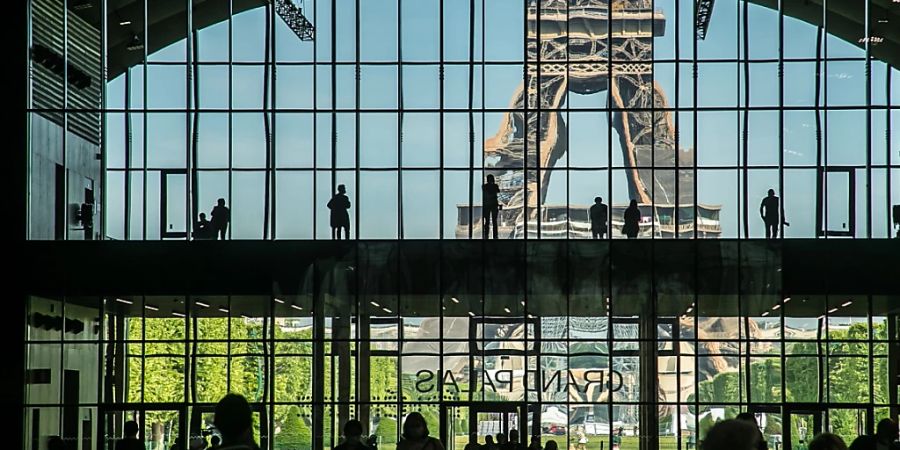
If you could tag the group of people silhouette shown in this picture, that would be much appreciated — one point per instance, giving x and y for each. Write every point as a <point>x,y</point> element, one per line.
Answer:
<point>217,227</point>
<point>770,210</point>
<point>234,421</point>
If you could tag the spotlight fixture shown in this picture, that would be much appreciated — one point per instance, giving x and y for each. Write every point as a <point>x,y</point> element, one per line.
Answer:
<point>766,313</point>
<point>279,300</point>
<point>847,303</point>
<point>298,308</point>
<point>125,23</point>
<point>224,310</point>
<point>122,300</point>
<point>454,299</point>
<point>151,307</point>
<point>507,310</point>
<point>135,44</point>
<point>832,310</point>
<point>177,314</point>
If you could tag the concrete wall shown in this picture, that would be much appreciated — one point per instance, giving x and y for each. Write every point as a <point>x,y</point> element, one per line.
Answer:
<point>82,171</point>
<point>73,354</point>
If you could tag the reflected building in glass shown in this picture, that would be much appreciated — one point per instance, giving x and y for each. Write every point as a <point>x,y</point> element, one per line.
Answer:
<point>143,115</point>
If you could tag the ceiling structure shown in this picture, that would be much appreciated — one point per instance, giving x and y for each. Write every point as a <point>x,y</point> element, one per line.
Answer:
<point>167,23</point>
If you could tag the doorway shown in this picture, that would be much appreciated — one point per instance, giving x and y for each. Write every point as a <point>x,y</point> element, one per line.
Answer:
<point>804,422</point>
<point>836,202</point>
<point>159,426</point>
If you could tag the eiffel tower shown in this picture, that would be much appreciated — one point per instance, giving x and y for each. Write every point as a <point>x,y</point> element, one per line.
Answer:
<point>569,46</point>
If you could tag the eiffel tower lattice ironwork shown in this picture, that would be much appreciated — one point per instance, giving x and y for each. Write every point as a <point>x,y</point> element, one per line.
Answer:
<point>569,46</point>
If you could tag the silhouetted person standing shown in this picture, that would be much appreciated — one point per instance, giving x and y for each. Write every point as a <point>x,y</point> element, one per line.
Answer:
<point>352,437</point>
<point>473,442</point>
<point>632,220</point>
<point>340,217</point>
<point>772,214</point>
<point>490,206</point>
<point>221,217</point>
<point>234,420</point>
<point>214,442</point>
<point>415,435</point>
<point>513,442</point>
<point>731,434</point>
<point>599,216</point>
<point>130,440</point>
<point>489,443</point>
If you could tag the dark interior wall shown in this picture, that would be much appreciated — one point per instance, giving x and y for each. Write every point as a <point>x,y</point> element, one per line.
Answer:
<point>750,267</point>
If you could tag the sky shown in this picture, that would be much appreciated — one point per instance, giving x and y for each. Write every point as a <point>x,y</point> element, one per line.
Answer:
<point>388,140</point>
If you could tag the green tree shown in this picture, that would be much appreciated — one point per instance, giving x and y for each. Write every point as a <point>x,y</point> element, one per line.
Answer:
<point>387,430</point>
<point>295,433</point>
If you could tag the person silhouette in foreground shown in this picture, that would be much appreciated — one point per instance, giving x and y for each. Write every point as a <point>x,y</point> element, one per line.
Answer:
<point>885,437</point>
<point>551,445</point>
<point>203,228</point>
<point>415,435</point>
<point>340,217</point>
<point>214,442</point>
<point>732,434</point>
<point>234,420</point>
<point>772,214</point>
<point>513,443</point>
<point>632,220</point>
<point>827,441</point>
<point>353,431</point>
<point>129,439</point>
<point>489,443</point>
<point>599,216</point>
<point>473,442</point>
<point>490,206</point>
<point>56,443</point>
<point>535,443</point>
<point>221,217</point>
<point>751,419</point>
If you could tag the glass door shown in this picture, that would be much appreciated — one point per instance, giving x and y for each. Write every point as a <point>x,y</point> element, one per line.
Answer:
<point>802,425</point>
<point>849,423</point>
<point>836,202</point>
<point>158,427</point>
<point>806,422</point>
<point>500,418</point>
<point>173,201</point>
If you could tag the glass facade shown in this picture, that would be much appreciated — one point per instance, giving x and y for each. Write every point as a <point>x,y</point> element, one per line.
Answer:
<point>410,104</point>
<point>143,114</point>
<point>556,339</point>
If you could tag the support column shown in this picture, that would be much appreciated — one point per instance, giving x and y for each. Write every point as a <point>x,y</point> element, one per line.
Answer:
<point>363,350</point>
<point>318,373</point>
<point>649,385</point>
<point>341,345</point>
<point>893,358</point>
